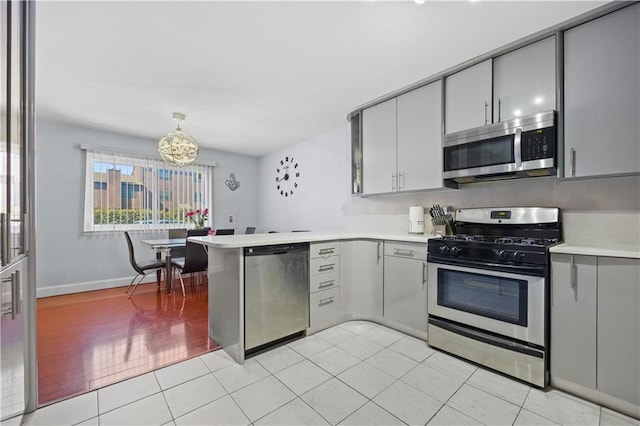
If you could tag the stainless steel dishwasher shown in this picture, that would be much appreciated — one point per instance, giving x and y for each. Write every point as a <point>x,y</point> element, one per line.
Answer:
<point>276,294</point>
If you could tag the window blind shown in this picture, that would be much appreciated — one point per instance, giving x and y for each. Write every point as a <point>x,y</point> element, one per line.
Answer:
<point>127,192</point>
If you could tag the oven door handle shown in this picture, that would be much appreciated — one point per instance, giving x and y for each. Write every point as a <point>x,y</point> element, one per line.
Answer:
<point>538,270</point>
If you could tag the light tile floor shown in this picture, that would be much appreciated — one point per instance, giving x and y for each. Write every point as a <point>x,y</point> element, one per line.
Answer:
<point>356,373</point>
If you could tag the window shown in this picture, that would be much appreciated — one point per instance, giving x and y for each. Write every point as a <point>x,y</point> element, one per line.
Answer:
<point>124,192</point>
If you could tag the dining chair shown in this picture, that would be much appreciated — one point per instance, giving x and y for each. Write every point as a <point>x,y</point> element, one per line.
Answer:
<point>229,231</point>
<point>177,252</point>
<point>195,259</point>
<point>143,268</point>
<point>250,230</point>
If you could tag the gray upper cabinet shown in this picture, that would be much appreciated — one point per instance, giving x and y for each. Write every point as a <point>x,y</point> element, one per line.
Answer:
<point>601,92</point>
<point>619,328</point>
<point>468,98</point>
<point>379,148</point>
<point>518,83</point>
<point>573,319</point>
<point>524,81</point>
<point>401,142</point>
<point>420,138</point>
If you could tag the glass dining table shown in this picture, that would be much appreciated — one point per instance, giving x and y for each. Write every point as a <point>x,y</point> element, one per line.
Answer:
<point>164,245</point>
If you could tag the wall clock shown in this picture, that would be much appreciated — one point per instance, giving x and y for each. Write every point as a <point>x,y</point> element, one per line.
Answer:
<point>287,175</point>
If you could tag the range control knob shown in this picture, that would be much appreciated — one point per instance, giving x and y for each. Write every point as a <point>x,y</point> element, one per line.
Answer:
<point>501,254</point>
<point>455,250</point>
<point>517,256</point>
<point>444,249</point>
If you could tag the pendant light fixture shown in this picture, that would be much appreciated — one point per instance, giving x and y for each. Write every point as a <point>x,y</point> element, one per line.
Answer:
<point>178,148</point>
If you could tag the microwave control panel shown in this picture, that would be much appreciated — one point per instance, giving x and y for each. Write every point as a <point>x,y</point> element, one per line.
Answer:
<point>538,144</point>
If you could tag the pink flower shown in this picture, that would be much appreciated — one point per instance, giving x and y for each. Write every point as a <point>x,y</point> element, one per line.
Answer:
<point>212,232</point>
<point>197,210</point>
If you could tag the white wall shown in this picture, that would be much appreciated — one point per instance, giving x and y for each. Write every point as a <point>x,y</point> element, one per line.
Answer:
<point>67,260</point>
<point>594,209</point>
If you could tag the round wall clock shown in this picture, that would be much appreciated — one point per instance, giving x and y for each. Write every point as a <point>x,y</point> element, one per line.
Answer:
<point>287,175</point>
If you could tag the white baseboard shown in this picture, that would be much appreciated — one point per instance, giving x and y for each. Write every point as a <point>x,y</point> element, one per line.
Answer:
<point>58,290</point>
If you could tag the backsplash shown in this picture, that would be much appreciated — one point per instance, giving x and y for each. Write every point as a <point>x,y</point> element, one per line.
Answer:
<point>606,209</point>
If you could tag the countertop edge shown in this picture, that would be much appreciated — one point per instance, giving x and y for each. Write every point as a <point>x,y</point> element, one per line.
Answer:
<point>595,249</point>
<point>254,240</point>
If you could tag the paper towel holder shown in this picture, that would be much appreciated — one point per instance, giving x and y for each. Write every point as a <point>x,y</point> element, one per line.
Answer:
<point>416,220</point>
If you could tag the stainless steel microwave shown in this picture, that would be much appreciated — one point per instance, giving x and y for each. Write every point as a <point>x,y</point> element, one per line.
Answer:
<point>521,147</point>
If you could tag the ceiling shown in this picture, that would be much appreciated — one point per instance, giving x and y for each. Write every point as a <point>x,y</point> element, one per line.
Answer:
<point>254,77</point>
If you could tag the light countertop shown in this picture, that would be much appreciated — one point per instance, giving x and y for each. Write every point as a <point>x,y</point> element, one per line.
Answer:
<point>598,249</point>
<point>254,240</point>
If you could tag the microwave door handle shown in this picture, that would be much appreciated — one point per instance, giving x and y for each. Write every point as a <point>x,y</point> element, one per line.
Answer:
<point>517,148</point>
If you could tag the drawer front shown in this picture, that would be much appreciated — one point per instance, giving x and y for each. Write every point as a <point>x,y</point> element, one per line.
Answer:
<point>324,249</point>
<point>323,266</point>
<point>324,307</point>
<point>416,251</point>
<point>324,281</point>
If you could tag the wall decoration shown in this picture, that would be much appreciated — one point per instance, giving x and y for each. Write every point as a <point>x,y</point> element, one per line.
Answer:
<point>232,183</point>
<point>287,175</point>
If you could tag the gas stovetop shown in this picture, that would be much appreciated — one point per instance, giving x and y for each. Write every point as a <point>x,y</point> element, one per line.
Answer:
<point>527,241</point>
<point>501,235</point>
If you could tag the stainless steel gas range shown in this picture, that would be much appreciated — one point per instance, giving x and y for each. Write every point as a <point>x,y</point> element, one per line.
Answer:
<point>488,289</point>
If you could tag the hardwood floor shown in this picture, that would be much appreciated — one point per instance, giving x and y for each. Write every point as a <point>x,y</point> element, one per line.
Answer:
<point>93,339</point>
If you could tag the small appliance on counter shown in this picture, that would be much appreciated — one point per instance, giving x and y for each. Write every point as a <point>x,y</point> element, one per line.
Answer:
<point>416,220</point>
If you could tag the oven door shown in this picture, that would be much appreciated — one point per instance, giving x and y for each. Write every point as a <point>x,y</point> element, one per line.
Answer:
<point>511,304</point>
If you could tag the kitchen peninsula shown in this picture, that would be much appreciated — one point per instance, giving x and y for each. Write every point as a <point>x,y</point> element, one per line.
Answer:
<point>226,275</point>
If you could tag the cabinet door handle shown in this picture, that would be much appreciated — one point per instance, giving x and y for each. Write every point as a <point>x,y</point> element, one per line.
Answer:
<point>400,181</point>
<point>15,294</point>
<point>486,105</point>
<point>324,251</point>
<point>499,108</point>
<point>573,277</point>
<point>325,284</point>
<point>404,252</point>
<point>424,273</point>
<point>4,240</point>
<point>328,267</point>
<point>6,307</point>
<point>326,301</point>
<point>393,182</point>
<point>573,162</point>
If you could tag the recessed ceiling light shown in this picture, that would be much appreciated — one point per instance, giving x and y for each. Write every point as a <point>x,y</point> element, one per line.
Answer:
<point>419,1</point>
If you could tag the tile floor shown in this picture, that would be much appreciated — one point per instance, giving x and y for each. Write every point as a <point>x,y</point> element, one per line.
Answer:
<point>356,373</point>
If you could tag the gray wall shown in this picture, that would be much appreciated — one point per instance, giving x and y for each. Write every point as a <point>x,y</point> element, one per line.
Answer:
<point>593,209</point>
<point>67,260</point>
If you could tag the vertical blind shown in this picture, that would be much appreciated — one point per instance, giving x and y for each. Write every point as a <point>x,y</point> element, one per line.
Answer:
<point>126,192</point>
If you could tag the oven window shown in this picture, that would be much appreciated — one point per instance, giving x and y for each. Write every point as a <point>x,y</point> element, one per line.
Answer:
<point>488,152</point>
<point>503,299</point>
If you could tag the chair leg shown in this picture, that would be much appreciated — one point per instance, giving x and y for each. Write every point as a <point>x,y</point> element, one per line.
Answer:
<point>136,285</point>
<point>129,286</point>
<point>182,284</point>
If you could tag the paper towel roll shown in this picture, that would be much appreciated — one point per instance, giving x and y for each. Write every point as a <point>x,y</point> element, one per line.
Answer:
<point>416,220</point>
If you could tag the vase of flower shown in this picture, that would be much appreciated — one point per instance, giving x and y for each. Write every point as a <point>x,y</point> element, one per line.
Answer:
<point>198,217</point>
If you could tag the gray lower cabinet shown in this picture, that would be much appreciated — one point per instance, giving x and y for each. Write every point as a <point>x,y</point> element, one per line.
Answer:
<point>324,284</point>
<point>595,328</point>
<point>405,284</point>
<point>361,278</point>
<point>619,328</point>
<point>573,319</point>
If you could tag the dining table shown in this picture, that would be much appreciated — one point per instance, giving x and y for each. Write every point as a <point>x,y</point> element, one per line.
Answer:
<point>164,245</point>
